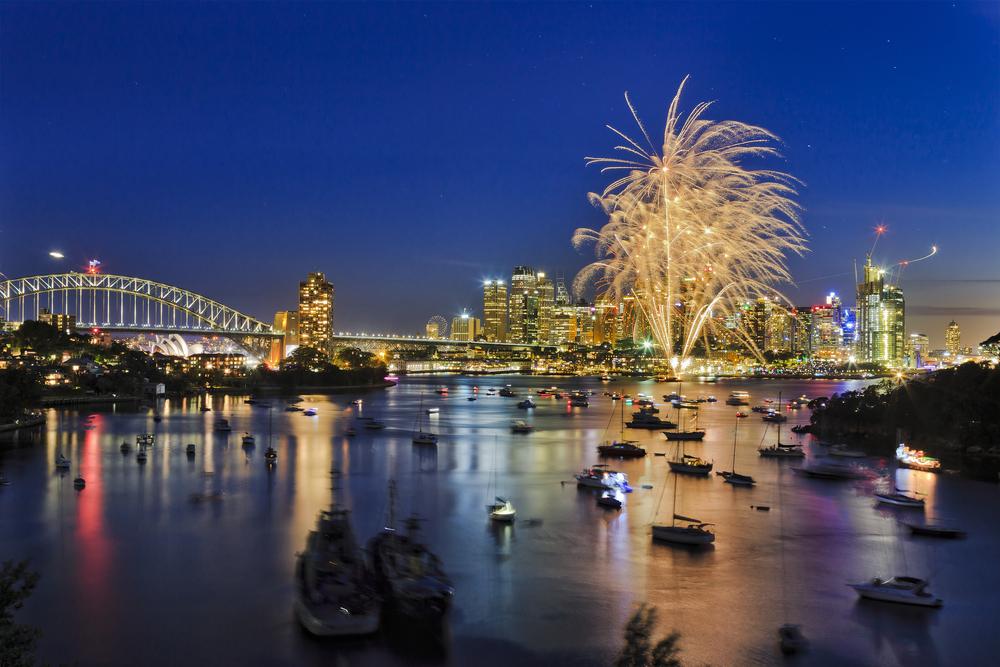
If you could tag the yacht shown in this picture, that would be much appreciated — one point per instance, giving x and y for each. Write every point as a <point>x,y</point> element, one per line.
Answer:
<point>521,426</point>
<point>647,420</point>
<point>599,476</point>
<point>736,479</point>
<point>248,439</point>
<point>690,465</point>
<point>902,590</point>
<point>685,435</point>
<point>774,417</point>
<point>502,510</point>
<point>222,426</point>
<point>334,595</point>
<point>579,401</point>
<point>526,404</point>
<point>508,392</point>
<point>408,575</point>
<point>62,462</point>
<point>609,499</point>
<point>689,531</point>
<point>621,450</point>
<point>423,438</point>
<point>782,451</point>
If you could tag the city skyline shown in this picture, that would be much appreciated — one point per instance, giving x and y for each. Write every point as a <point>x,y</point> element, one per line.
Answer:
<point>216,192</point>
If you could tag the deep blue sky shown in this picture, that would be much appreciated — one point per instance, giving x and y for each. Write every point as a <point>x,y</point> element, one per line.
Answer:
<point>410,150</point>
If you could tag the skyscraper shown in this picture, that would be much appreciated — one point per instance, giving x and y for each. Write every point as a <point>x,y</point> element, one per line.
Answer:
<point>881,318</point>
<point>316,313</point>
<point>287,321</point>
<point>523,321</point>
<point>465,327</point>
<point>546,304</point>
<point>953,339</point>
<point>917,348</point>
<point>827,329</point>
<point>495,311</point>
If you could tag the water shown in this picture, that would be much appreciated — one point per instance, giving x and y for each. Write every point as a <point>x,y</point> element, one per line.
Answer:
<point>134,572</point>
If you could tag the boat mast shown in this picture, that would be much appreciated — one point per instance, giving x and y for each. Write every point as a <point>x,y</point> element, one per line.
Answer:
<point>779,419</point>
<point>673,510</point>
<point>736,430</point>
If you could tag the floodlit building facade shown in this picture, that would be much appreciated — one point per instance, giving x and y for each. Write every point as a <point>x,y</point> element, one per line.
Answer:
<point>495,311</point>
<point>316,313</point>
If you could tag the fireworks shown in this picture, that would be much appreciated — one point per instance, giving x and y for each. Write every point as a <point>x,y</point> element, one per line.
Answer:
<point>692,233</point>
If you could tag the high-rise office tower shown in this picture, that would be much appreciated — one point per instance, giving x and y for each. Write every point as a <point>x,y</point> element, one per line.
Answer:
<point>465,328</point>
<point>523,319</point>
<point>495,311</point>
<point>953,339</point>
<point>881,318</point>
<point>546,304</point>
<point>287,321</point>
<point>316,313</point>
<point>827,329</point>
<point>802,319</point>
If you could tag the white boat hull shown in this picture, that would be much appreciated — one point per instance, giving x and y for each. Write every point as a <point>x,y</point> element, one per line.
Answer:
<point>886,594</point>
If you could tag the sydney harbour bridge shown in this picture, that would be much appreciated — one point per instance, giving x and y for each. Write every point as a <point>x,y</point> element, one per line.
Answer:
<point>127,304</point>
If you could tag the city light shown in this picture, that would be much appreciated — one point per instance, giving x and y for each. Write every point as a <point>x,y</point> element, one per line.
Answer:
<point>55,254</point>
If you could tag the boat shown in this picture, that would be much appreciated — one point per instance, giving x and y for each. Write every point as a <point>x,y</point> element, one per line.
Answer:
<point>526,404</point>
<point>782,451</point>
<point>310,412</point>
<point>935,530</point>
<point>62,462</point>
<point>579,401</point>
<point>507,392</point>
<point>916,459</point>
<point>357,402</point>
<point>270,454</point>
<point>248,439</point>
<point>621,450</point>
<point>671,397</point>
<point>685,435</point>
<point>738,398</point>
<point>842,451</point>
<point>432,411</point>
<point>605,378</point>
<point>205,408</point>
<point>222,426</point>
<point>690,465</point>
<point>189,450</point>
<point>647,420</point>
<point>79,483</point>
<point>442,391</point>
<point>491,392</point>
<point>599,476</point>
<point>741,415</point>
<point>374,425</point>
<point>125,447</point>
<point>420,436</point>
<point>791,639</point>
<point>902,590</point>
<point>731,476</point>
<point>828,470</point>
<point>689,531</point>
<point>774,417</point>
<point>610,500</point>
<point>711,399</point>
<point>899,500</point>
<point>141,455</point>
<point>472,398</point>
<point>407,574</point>
<point>801,428</point>
<point>502,510</point>
<point>334,594</point>
<point>521,426</point>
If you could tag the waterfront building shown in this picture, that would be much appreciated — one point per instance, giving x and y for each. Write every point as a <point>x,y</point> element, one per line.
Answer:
<point>828,330</point>
<point>62,321</point>
<point>315,318</point>
<point>881,318</point>
<point>802,319</point>
<point>546,305</point>
<point>523,319</point>
<point>953,339</point>
<point>606,323</point>
<point>495,311</point>
<point>465,328</point>
<point>779,329</point>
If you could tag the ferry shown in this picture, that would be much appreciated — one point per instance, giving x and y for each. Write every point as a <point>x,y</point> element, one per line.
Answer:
<point>916,459</point>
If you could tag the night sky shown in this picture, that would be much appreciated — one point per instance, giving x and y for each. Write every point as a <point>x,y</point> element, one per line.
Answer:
<point>409,151</point>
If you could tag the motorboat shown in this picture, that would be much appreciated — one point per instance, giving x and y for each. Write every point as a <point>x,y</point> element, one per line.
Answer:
<point>424,438</point>
<point>502,510</point>
<point>935,530</point>
<point>738,398</point>
<point>507,392</point>
<point>432,411</point>
<point>774,417</point>
<point>621,450</point>
<point>711,399</point>
<point>521,426</point>
<point>310,412</point>
<point>916,459</point>
<point>599,476</point>
<point>579,401</point>
<point>690,465</point>
<point>79,483</point>
<point>791,639</point>
<point>646,420</point>
<point>526,404</point>
<point>409,577</point>
<point>334,595</point>
<point>698,434</point>
<point>62,462</point>
<point>141,456</point>
<point>472,398</point>
<point>189,450</point>
<point>782,451</point>
<point>899,499</point>
<point>610,500</point>
<point>491,392</point>
<point>222,426</point>
<point>842,451</point>
<point>248,440</point>
<point>902,590</point>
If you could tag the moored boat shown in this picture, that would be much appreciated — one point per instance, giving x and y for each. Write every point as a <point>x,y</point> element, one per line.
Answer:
<point>916,459</point>
<point>935,530</point>
<point>647,420</point>
<point>622,450</point>
<point>502,510</point>
<point>685,435</point>
<point>521,426</point>
<point>901,590</point>
<point>690,465</point>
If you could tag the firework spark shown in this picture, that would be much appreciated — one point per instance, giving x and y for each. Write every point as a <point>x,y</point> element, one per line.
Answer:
<point>692,234</point>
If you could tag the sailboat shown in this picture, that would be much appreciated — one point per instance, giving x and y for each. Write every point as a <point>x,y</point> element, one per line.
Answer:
<point>62,462</point>
<point>420,436</point>
<point>501,509</point>
<point>680,434</point>
<point>690,531</point>
<point>689,465</point>
<point>790,636</point>
<point>623,448</point>
<point>270,454</point>
<point>780,450</point>
<point>731,476</point>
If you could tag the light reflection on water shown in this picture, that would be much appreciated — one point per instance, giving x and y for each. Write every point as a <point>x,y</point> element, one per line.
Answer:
<point>132,567</point>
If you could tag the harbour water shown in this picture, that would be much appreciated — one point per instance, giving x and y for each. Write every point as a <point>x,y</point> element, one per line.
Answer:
<point>135,571</point>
